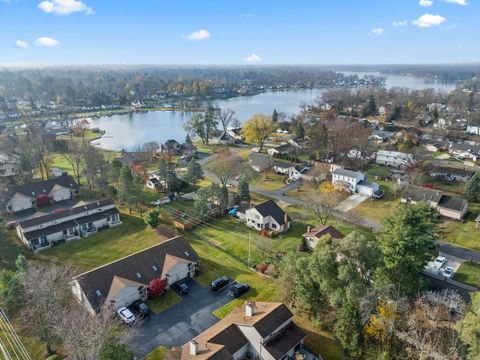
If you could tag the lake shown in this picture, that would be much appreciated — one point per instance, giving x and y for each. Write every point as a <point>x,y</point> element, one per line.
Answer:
<point>130,131</point>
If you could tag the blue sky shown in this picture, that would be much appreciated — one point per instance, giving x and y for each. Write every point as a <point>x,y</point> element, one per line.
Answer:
<point>239,31</point>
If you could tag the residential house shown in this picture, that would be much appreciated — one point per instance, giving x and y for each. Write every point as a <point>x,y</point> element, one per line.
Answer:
<point>380,135</point>
<point>451,173</point>
<point>260,162</point>
<point>46,230</point>
<point>57,171</point>
<point>355,182</point>
<point>231,137</point>
<point>154,183</point>
<point>393,158</point>
<point>255,330</point>
<point>448,206</point>
<point>28,196</point>
<point>130,158</point>
<point>286,149</point>
<point>9,165</point>
<point>312,236</point>
<point>464,151</point>
<point>188,150</point>
<point>170,147</point>
<point>473,129</point>
<point>436,146</point>
<point>267,215</point>
<point>124,281</point>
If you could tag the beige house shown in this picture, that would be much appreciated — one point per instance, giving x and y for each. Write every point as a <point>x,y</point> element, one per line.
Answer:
<point>124,281</point>
<point>448,206</point>
<point>312,236</point>
<point>263,330</point>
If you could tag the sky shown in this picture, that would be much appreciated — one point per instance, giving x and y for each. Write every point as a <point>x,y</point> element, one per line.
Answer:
<point>231,32</point>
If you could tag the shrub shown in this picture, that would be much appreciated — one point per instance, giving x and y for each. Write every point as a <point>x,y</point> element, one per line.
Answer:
<point>262,268</point>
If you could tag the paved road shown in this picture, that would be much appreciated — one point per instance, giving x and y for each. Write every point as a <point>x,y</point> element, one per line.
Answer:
<point>280,195</point>
<point>180,323</point>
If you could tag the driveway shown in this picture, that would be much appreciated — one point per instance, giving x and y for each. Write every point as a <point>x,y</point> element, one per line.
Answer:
<point>181,322</point>
<point>351,202</point>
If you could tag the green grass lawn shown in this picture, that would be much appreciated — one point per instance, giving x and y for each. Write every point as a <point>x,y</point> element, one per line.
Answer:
<point>468,273</point>
<point>378,170</point>
<point>157,354</point>
<point>464,233</point>
<point>163,302</point>
<point>272,182</point>
<point>106,246</point>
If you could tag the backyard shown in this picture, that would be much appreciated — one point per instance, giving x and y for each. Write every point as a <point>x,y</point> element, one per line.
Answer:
<point>468,273</point>
<point>464,233</point>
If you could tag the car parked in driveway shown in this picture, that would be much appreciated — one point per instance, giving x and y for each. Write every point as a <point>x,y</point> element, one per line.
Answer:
<point>219,283</point>
<point>141,308</point>
<point>239,289</point>
<point>126,315</point>
<point>182,288</point>
<point>448,272</point>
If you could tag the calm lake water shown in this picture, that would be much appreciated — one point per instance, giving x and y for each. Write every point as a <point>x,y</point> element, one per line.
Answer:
<point>130,131</point>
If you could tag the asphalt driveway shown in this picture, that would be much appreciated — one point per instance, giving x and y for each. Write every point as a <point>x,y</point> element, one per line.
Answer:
<point>351,202</point>
<point>180,323</point>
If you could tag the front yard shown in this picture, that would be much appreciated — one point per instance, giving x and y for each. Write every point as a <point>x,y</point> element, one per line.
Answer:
<point>464,233</point>
<point>163,302</point>
<point>468,273</point>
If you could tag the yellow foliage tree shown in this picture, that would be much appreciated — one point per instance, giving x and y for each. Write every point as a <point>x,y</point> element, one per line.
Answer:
<point>257,129</point>
<point>380,325</point>
<point>327,187</point>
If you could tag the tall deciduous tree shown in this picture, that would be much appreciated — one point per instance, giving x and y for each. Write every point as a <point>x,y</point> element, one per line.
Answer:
<point>257,129</point>
<point>202,125</point>
<point>225,116</point>
<point>407,243</point>
<point>211,201</point>
<point>225,166</point>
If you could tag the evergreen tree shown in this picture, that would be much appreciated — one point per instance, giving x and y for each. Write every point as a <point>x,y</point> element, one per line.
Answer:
<point>407,242</point>
<point>188,140</point>
<point>472,189</point>
<point>243,190</point>
<point>347,328</point>
<point>194,173</point>
<point>275,116</point>
<point>151,217</point>
<point>211,200</point>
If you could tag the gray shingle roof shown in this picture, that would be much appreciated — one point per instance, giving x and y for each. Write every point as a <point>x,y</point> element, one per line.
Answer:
<point>417,193</point>
<point>345,172</point>
<point>270,208</point>
<point>452,203</point>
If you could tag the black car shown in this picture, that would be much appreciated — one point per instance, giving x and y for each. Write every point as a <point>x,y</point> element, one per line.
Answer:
<point>141,308</point>
<point>219,283</point>
<point>239,289</point>
<point>182,288</point>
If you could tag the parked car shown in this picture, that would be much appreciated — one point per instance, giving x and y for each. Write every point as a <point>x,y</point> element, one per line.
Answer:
<point>126,315</point>
<point>141,308</point>
<point>182,288</point>
<point>239,289</point>
<point>448,272</point>
<point>440,261</point>
<point>219,283</point>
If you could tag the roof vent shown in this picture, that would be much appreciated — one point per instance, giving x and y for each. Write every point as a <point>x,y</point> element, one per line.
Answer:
<point>249,309</point>
<point>85,207</point>
<point>193,347</point>
<point>99,293</point>
<point>98,203</point>
<point>139,275</point>
<point>186,253</point>
<point>154,268</point>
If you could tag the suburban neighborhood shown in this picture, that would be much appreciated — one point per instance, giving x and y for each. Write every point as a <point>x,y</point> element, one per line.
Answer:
<point>195,182</point>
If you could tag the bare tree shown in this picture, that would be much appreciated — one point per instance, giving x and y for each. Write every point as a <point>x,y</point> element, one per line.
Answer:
<point>225,116</point>
<point>323,205</point>
<point>74,157</point>
<point>225,166</point>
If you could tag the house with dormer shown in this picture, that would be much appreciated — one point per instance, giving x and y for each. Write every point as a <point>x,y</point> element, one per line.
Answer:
<point>31,195</point>
<point>256,330</point>
<point>124,281</point>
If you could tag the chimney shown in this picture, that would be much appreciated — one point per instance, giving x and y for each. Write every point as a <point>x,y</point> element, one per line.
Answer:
<point>308,228</point>
<point>249,309</point>
<point>193,347</point>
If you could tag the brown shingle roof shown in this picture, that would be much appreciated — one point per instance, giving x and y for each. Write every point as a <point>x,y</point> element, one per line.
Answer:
<point>285,340</point>
<point>322,230</point>
<point>148,263</point>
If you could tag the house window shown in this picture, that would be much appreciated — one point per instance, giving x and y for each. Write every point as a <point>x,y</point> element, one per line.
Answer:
<point>43,241</point>
<point>274,226</point>
<point>71,230</point>
<point>34,242</point>
<point>108,218</point>
<point>84,226</point>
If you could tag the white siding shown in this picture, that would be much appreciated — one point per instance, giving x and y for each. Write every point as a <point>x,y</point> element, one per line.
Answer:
<point>126,296</point>
<point>177,273</point>
<point>19,202</point>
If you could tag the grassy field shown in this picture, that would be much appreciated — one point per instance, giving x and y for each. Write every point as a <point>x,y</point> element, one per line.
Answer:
<point>272,182</point>
<point>105,246</point>
<point>163,302</point>
<point>157,354</point>
<point>468,273</point>
<point>464,233</point>
<point>381,208</point>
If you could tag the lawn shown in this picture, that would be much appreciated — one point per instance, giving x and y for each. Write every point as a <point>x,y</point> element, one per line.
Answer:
<point>468,273</point>
<point>272,182</point>
<point>464,233</point>
<point>106,246</point>
<point>163,302</point>
<point>157,354</point>
<point>378,170</point>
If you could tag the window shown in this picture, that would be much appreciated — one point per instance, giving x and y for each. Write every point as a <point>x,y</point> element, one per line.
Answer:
<point>274,226</point>
<point>108,218</point>
<point>43,240</point>
<point>34,242</point>
<point>84,226</point>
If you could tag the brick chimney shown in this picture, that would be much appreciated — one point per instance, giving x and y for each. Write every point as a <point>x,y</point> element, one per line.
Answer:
<point>249,309</point>
<point>193,347</point>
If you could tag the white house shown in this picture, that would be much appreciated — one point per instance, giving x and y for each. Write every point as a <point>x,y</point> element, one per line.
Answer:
<point>267,215</point>
<point>473,129</point>
<point>464,151</point>
<point>259,330</point>
<point>154,182</point>
<point>84,219</point>
<point>9,165</point>
<point>28,196</point>
<point>122,282</point>
<point>393,158</point>
<point>355,182</point>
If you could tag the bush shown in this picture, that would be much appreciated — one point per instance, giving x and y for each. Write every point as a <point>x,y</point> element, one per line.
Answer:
<point>151,217</point>
<point>262,267</point>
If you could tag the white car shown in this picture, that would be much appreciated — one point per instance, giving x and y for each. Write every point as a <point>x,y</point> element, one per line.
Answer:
<point>126,315</point>
<point>448,272</point>
<point>440,261</point>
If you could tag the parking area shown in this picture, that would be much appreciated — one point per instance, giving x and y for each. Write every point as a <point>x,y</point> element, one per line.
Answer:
<point>449,262</point>
<point>351,202</point>
<point>181,322</point>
